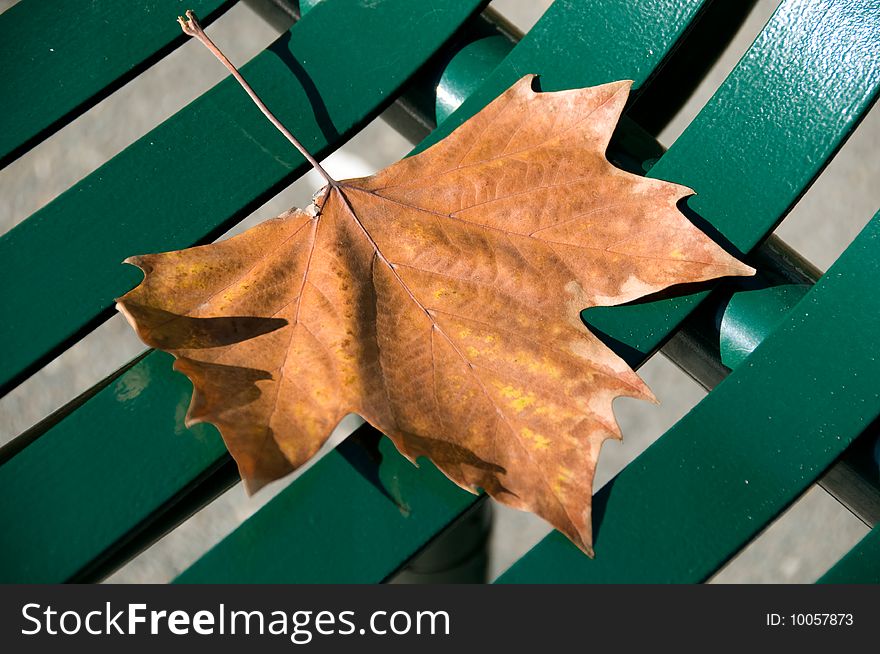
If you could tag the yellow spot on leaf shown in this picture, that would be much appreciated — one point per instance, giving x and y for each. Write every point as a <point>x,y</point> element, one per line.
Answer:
<point>537,441</point>
<point>519,399</point>
<point>541,367</point>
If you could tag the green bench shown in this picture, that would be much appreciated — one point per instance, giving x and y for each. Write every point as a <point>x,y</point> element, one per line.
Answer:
<point>107,475</point>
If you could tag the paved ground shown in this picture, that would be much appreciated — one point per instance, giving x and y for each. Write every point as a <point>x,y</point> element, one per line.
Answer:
<point>798,547</point>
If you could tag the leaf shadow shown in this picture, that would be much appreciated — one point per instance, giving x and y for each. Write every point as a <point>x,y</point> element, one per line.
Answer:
<point>234,386</point>
<point>282,49</point>
<point>446,452</point>
<point>447,455</point>
<point>599,507</point>
<point>631,355</point>
<point>171,331</point>
<point>222,388</point>
<point>684,205</point>
<point>593,317</point>
<point>363,451</point>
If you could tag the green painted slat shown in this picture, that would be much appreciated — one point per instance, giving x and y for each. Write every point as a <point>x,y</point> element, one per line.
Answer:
<point>861,565</point>
<point>790,103</point>
<point>143,417</point>
<point>77,489</point>
<point>755,150</point>
<point>346,520</point>
<point>78,53</point>
<point>538,52</point>
<point>794,98</point>
<point>273,545</point>
<point>713,481</point>
<point>579,44</point>
<point>206,166</point>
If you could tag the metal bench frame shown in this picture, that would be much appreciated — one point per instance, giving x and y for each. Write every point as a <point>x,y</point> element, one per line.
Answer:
<point>748,152</point>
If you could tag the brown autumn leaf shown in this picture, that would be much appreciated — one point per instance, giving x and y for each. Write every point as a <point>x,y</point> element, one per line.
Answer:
<point>440,299</point>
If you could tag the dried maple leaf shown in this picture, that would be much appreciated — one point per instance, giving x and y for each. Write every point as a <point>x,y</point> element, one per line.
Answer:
<point>440,299</point>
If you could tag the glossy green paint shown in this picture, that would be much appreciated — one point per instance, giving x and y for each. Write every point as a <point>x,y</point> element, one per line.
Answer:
<point>103,469</point>
<point>261,549</point>
<point>125,207</point>
<point>725,470</point>
<point>861,565</point>
<point>207,166</point>
<point>144,419</point>
<point>750,153</point>
<point>83,484</point>
<point>765,135</point>
<point>346,520</point>
<point>467,71</point>
<point>578,44</point>
<point>79,54</point>
<point>539,50</point>
<point>306,6</point>
<point>751,315</point>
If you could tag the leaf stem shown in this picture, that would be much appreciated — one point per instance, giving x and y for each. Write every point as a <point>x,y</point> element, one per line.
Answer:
<point>191,27</point>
